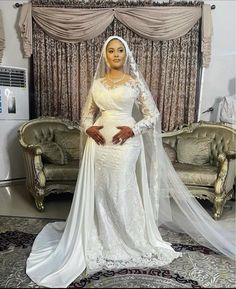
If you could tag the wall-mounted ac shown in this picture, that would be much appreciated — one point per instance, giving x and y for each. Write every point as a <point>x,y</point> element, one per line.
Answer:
<point>14,110</point>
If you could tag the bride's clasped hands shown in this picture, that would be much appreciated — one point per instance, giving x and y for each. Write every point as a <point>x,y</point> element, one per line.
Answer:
<point>95,134</point>
<point>121,137</point>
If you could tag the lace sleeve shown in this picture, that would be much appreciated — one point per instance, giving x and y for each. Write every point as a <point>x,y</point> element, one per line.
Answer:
<point>88,112</point>
<point>149,111</point>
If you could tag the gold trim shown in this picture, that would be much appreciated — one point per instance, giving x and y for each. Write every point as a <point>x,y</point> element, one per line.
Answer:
<point>36,181</point>
<point>216,194</point>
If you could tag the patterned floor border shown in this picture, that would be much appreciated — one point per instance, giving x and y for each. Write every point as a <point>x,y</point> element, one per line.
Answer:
<point>198,268</point>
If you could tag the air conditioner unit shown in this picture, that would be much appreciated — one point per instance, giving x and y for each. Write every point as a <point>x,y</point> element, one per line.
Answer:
<point>14,110</point>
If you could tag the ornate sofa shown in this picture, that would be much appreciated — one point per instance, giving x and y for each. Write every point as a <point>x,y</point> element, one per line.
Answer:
<point>203,154</point>
<point>51,154</point>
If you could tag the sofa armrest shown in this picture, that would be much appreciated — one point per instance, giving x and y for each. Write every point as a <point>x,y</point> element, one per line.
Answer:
<point>34,150</point>
<point>230,179</point>
<point>226,174</point>
<point>35,177</point>
<point>231,155</point>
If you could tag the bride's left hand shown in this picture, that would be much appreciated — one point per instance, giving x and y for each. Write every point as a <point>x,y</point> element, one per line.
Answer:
<point>124,133</point>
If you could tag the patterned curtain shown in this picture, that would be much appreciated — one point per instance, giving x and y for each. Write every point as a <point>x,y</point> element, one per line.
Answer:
<point>63,71</point>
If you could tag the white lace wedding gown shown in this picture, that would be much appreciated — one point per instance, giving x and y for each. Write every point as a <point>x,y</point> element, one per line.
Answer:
<point>111,223</point>
<point>119,236</point>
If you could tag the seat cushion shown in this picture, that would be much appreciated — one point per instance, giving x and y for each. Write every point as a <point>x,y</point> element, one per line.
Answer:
<point>68,172</point>
<point>193,150</point>
<point>196,175</point>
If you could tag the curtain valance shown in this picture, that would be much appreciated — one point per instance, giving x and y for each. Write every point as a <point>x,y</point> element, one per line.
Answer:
<point>155,23</point>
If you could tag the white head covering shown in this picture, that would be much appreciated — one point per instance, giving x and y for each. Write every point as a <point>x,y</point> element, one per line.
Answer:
<point>104,49</point>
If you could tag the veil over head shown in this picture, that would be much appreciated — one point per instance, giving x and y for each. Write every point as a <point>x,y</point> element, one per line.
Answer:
<point>173,204</point>
<point>104,50</point>
<point>103,63</point>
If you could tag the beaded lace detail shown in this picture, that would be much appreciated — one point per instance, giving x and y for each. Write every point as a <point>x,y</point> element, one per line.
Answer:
<point>129,82</point>
<point>119,237</point>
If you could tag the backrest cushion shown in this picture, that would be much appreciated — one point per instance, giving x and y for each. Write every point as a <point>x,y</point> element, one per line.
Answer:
<point>193,150</point>
<point>69,141</point>
<point>171,152</point>
<point>223,140</point>
<point>39,131</point>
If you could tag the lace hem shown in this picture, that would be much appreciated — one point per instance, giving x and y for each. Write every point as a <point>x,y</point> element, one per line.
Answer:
<point>159,258</point>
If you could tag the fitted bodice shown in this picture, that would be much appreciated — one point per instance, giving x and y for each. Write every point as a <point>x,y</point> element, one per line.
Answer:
<point>118,99</point>
<point>115,106</point>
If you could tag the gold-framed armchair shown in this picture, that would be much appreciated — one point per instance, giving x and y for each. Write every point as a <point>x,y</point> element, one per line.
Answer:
<point>204,156</point>
<point>51,149</point>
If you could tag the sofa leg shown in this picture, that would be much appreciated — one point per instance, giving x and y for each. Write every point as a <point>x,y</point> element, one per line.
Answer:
<point>39,202</point>
<point>218,208</point>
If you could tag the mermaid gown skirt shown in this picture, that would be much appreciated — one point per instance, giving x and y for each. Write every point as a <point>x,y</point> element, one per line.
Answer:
<point>111,223</point>
<point>119,237</point>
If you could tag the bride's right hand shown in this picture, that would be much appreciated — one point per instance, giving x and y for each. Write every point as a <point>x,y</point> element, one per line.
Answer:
<point>93,132</point>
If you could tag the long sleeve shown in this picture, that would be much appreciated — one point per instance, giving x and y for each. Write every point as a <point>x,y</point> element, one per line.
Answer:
<point>149,111</point>
<point>88,112</point>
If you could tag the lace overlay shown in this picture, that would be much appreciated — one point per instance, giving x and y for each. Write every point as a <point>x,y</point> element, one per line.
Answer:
<point>142,99</point>
<point>119,238</point>
<point>129,82</point>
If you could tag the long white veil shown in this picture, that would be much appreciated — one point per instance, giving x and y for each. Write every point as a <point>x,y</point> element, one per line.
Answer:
<point>173,204</point>
<point>58,254</point>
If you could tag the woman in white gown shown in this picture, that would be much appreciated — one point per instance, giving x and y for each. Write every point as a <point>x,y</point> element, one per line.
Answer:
<point>124,177</point>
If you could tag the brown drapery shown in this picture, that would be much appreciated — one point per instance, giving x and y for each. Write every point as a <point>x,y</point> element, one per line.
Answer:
<point>153,23</point>
<point>63,72</point>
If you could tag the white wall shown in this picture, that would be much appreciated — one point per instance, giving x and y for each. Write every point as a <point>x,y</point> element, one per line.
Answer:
<point>12,54</point>
<point>10,151</point>
<point>220,77</point>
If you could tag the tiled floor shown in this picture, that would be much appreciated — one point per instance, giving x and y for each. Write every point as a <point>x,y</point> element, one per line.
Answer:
<point>16,201</point>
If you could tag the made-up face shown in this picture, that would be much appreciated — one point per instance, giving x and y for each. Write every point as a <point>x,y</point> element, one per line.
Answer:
<point>116,54</point>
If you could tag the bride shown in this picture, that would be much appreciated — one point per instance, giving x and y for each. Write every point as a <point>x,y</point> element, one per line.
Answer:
<point>126,186</point>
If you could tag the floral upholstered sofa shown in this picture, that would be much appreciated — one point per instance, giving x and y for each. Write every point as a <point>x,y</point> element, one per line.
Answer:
<point>203,154</point>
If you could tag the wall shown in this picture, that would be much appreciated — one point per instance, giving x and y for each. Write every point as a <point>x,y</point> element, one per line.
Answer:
<point>10,151</point>
<point>220,77</point>
<point>12,55</point>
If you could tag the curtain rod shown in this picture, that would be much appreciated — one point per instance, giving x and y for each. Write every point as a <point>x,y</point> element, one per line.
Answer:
<point>17,5</point>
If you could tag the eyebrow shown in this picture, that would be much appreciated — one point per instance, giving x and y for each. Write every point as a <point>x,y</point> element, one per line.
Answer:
<point>113,48</point>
